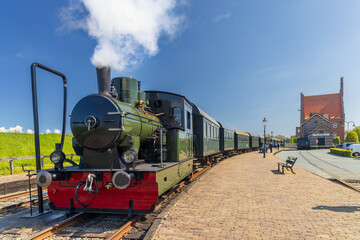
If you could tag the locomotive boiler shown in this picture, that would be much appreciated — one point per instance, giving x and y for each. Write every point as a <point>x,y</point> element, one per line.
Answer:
<point>124,165</point>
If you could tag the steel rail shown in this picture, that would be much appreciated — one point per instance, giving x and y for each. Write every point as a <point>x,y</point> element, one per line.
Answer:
<point>57,227</point>
<point>16,195</point>
<point>334,165</point>
<point>9,207</point>
<point>330,174</point>
<point>124,229</point>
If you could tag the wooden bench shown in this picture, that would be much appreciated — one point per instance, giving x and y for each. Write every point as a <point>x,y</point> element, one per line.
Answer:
<point>289,164</point>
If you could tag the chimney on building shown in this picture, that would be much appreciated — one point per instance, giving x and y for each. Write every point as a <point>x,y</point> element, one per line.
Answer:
<point>302,113</point>
<point>342,97</point>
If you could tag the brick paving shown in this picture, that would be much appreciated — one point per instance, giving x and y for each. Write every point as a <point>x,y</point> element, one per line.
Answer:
<point>245,197</point>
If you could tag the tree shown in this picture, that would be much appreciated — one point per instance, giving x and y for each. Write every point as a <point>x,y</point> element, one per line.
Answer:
<point>357,130</point>
<point>281,137</point>
<point>295,140</point>
<point>352,137</point>
<point>291,140</point>
<point>336,140</point>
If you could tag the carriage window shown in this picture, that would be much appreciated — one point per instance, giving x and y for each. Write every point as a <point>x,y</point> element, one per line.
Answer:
<point>209,131</point>
<point>205,129</point>
<point>176,117</point>
<point>188,120</point>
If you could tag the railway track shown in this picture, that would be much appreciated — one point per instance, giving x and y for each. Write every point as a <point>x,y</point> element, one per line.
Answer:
<point>16,195</point>
<point>11,201</point>
<point>352,183</point>
<point>84,225</point>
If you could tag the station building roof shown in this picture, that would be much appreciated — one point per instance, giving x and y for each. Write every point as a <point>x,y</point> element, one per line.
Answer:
<point>325,104</point>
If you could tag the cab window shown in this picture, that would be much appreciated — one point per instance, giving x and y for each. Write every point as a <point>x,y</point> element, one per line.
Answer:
<point>176,117</point>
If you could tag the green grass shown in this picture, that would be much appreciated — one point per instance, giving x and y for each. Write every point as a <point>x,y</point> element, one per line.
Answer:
<point>23,145</point>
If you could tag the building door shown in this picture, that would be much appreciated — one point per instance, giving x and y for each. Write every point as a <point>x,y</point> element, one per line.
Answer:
<point>321,141</point>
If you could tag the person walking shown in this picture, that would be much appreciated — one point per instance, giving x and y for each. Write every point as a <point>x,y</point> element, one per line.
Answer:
<point>271,147</point>
<point>278,145</point>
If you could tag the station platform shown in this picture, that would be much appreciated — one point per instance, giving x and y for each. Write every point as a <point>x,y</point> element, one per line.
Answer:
<point>15,183</point>
<point>245,197</point>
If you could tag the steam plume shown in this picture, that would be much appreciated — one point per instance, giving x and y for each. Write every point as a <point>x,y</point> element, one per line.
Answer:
<point>126,30</point>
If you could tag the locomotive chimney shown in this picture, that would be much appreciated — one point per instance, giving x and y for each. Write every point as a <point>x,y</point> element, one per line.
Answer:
<point>103,78</point>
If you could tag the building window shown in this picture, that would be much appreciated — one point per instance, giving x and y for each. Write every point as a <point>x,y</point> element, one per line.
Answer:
<point>316,122</point>
<point>335,125</point>
<point>321,131</point>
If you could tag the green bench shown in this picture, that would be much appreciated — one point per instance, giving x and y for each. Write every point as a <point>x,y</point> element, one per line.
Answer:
<point>288,164</point>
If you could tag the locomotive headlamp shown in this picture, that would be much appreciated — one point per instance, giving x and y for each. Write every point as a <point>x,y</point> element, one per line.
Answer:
<point>129,156</point>
<point>57,156</point>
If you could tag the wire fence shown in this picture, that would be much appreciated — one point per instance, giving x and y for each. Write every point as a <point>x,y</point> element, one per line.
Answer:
<point>11,160</point>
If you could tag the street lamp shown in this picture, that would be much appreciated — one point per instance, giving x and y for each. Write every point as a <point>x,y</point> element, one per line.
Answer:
<point>348,122</point>
<point>264,145</point>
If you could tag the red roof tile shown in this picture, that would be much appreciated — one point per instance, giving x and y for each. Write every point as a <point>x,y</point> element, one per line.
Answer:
<point>325,104</point>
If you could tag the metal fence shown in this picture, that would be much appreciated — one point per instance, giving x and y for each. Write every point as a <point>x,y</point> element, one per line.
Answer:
<point>291,145</point>
<point>11,160</point>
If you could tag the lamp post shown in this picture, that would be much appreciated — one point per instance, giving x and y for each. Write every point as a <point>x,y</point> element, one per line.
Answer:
<point>264,145</point>
<point>348,122</point>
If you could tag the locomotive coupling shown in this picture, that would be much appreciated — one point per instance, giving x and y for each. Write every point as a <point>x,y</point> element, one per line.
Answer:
<point>89,184</point>
<point>43,179</point>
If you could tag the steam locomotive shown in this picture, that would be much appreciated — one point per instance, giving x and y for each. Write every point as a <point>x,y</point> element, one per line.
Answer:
<point>133,147</point>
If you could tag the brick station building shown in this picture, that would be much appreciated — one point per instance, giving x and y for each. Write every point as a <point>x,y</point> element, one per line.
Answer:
<point>322,117</point>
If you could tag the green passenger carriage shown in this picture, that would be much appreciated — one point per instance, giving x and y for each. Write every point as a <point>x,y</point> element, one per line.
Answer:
<point>242,141</point>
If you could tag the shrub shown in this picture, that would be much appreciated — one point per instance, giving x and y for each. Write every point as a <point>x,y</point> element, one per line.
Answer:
<point>352,137</point>
<point>357,130</point>
<point>342,152</point>
<point>336,140</point>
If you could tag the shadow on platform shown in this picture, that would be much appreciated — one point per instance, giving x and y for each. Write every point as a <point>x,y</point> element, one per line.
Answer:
<point>276,172</point>
<point>346,209</point>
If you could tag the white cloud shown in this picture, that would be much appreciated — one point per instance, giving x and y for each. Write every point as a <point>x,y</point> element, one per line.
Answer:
<point>47,131</point>
<point>126,31</point>
<point>221,17</point>
<point>57,131</point>
<point>20,55</point>
<point>3,130</point>
<point>17,129</point>
<point>29,131</point>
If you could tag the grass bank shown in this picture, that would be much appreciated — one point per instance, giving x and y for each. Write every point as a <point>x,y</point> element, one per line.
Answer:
<point>23,145</point>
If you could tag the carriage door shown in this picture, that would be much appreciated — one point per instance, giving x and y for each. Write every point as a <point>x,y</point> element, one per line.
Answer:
<point>188,128</point>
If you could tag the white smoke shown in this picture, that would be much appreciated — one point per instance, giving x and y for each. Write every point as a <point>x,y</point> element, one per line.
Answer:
<point>29,131</point>
<point>57,131</point>
<point>47,131</point>
<point>17,129</point>
<point>126,30</point>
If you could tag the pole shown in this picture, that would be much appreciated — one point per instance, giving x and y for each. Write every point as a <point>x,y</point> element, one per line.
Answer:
<point>36,135</point>
<point>264,147</point>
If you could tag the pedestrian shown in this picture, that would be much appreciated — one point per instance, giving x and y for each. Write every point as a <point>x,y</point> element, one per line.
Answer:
<point>271,146</point>
<point>278,145</point>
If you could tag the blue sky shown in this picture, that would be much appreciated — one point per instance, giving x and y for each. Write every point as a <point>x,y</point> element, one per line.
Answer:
<point>240,61</point>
